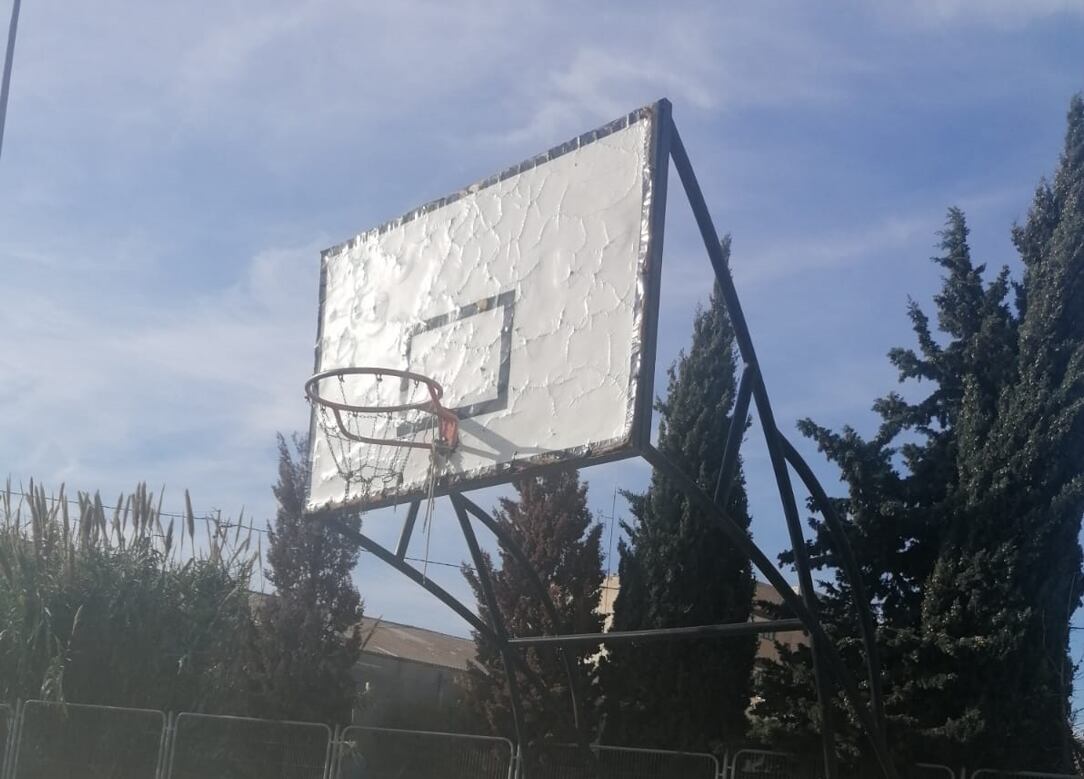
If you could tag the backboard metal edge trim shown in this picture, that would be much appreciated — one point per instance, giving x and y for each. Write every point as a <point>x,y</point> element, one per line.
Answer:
<point>579,457</point>
<point>645,112</point>
<point>310,444</point>
<point>646,307</point>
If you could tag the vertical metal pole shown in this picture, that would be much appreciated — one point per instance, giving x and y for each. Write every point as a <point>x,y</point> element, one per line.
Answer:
<point>388,557</point>
<point>738,421</point>
<point>160,767</point>
<point>334,754</point>
<point>171,747</point>
<point>13,763</point>
<point>496,620</point>
<point>660,166</point>
<point>510,545</point>
<point>851,570</point>
<point>771,436</point>
<point>7,765</point>
<point>408,529</point>
<point>9,58</point>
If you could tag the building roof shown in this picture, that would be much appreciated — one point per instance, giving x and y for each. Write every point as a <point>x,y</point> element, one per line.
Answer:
<point>419,645</point>
<point>404,642</point>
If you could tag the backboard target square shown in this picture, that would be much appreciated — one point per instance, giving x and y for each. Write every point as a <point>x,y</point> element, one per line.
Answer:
<point>530,297</point>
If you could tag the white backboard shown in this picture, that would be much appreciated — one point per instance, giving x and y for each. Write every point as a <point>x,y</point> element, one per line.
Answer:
<point>530,297</point>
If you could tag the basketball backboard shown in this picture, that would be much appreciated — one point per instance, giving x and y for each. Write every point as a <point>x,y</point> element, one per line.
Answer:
<point>531,297</point>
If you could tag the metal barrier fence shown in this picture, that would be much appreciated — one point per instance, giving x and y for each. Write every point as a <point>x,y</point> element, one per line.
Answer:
<point>566,761</point>
<point>76,741</point>
<point>931,771</point>
<point>993,773</point>
<point>764,764</point>
<point>41,740</point>
<point>206,745</point>
<point>383,753</point>
<point>7,732</point>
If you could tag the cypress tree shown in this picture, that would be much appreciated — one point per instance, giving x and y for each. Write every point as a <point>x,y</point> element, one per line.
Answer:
<point>964,508</point>
<point>309,636</point>
<point>1008,576</point>
<point>679,569</point>
<point>899,481</point>
<point>552,525</point>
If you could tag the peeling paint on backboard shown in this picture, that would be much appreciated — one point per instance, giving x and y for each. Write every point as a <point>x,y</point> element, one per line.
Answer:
<point>525,296</point>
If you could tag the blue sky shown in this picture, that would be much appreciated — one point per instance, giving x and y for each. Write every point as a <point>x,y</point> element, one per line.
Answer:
<point>169,175</point>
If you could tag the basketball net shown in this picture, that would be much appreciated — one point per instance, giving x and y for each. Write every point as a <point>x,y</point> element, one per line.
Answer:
<point>388,413</point>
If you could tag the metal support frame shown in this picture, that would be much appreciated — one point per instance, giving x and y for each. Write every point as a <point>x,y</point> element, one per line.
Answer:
<point>729,630</point>
<point>495,631</point>
<point>9,58</point>
<point>739,421</point>
<point>828,664</point>
<point>493,609</point>
<point>771,434</point>
<point>838,537</point>
<point>434,589</point>
<point>466,505</point>
<point>821,645</point>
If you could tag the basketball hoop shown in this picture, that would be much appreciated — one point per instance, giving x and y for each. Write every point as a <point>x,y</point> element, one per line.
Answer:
<point>350,417</point>
<point>380,421</point>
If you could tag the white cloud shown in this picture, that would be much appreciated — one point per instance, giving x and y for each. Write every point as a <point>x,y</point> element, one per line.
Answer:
<point>706,58</point>
<point>1005,14</point>
<point>171,170</point>
<point>182,391</point>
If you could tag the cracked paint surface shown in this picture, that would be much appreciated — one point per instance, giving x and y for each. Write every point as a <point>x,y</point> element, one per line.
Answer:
<point>523,296</point>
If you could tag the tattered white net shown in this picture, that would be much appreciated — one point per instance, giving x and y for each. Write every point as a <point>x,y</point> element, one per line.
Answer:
<point>389,413</point>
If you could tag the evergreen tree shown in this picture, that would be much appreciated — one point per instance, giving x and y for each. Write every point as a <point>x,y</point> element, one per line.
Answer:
<point>896,515</point>
<point>964,509</point>
<point>309,630</point>
<point>1008,576</point>
<point>679,569</point>
<point>550,522</point>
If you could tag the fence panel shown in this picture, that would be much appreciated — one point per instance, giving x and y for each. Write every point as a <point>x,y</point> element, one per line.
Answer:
<point>565,761</point>
<point>384,753</point>
<point>993,773</point>
<point>81,741</point>
<point>206,746</point>
<point>7,727</point>
<point>764,764</point>
<point>929,771</point>
<point>912,771</point>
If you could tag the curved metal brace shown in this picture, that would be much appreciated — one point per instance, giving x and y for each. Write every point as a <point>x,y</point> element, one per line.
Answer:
<point>496,619</point>
<point>507,542</point>
<point>445,597</point>
<point>767,421</point>
<point>821,645</point>
<point>791,599</point>
<point>861,601</point>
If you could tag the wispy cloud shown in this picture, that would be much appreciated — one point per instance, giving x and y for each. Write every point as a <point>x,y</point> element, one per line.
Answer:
<point>180,391</point>
<point>171,171</point>
<point>1005,14</point>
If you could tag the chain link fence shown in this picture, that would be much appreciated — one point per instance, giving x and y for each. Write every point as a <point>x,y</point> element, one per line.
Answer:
<point>382,753</point>
<point>206,745</point>
<point>76,741</point>
<point>566,761</point>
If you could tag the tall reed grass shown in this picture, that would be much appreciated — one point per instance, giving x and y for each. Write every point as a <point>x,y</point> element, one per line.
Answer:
<point>122,605</point>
